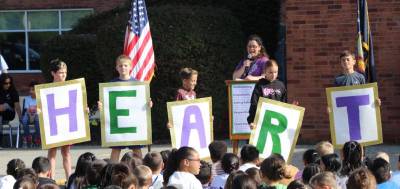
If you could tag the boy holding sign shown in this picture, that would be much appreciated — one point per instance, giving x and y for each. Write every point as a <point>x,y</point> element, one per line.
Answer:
<point>123,65</point>
<point>58,70</point>
<point>268,87</point>
<point>348,76</point>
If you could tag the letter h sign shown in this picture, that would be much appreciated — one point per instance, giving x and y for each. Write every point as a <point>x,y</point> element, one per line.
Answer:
<point>63,115</point>
<point>354,114</point>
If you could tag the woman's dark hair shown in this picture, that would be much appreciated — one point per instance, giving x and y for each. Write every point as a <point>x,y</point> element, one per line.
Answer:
<point>254,173</point>
<point>174,160</point>
<point>352,157</point>
<point>106,174</point>
<point>49,186</point>
<point>249,153</point>
<point>25,183</point>
<point>165,155</point>
<point>309,171</point>
<point>110,173</point>
<point>231,177</point>
<point>78,177</point>
<point>3,78</point>
<point>311,156</point>
<point>118,176</point>
<point>259,41</point>
<point>131,160</point>
<point>361,178</point>
<point>217,149</point>
<point>331,162</point>
<point>230,162</point>
<point>83,162</point>
<point>13,166</point>
<point>244,182</point>
<point>126,158</point>
<point>274,168</point>
<point>186,73</point>
<point>381,170</point>
<point>27,172</point>
<point>128,181</point>
<point>57,64</point>
<point>93,176</point>
<point>297,184</point>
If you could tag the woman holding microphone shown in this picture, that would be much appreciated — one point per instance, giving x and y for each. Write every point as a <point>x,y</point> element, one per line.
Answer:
<point>251,67</point>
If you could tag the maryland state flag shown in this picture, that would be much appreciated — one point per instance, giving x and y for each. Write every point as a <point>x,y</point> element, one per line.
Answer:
<point>365,48</point>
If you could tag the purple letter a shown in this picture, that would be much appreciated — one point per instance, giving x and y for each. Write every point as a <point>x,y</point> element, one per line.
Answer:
<point>70,111</point>
<point>352,104</point>
<point>198,124</point>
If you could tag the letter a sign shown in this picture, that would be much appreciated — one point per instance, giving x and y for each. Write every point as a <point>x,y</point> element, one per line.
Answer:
<point>63,117</point>
<point>192,124</point>
<point>354,114</point>
<point>125,115</point>
<point>277,128</point>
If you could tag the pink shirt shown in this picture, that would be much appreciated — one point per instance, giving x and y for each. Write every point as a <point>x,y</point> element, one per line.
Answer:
<point>183,94</point>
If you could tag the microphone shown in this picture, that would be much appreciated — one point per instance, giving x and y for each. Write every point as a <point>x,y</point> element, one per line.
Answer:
<point>247,68</point>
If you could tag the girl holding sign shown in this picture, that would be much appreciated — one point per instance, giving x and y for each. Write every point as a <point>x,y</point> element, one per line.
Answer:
<point>58,70</point>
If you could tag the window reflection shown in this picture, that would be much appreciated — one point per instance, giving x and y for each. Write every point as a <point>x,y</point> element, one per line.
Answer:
<point>36,39</point>
<point>39,26</point>
<point>12,48</point>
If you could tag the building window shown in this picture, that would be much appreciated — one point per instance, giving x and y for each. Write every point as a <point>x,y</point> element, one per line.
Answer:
<point>23,32</point>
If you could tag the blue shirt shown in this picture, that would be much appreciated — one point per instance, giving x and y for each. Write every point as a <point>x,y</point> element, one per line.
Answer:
<point>349,79</point>
<point>387,185</point>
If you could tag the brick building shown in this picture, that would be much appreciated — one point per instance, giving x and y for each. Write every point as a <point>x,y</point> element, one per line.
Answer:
<point>25,24</point>
<point>317,31</point>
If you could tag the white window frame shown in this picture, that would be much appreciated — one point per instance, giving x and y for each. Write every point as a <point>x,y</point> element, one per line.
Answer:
<point>26,30</point>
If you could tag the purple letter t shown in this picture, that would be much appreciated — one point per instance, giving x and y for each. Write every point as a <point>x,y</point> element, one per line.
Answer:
<point>352,104</point>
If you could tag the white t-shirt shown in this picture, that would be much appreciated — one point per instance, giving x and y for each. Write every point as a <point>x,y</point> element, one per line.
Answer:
<point>246,166</point>
<point>184,180</point>
<point>157,181</point>
<point>219,181</point>
<point>7,181</point>
<point>3,65</point>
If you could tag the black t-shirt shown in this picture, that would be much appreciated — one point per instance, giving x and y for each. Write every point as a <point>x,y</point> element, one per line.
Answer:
<point>274,90</point>
<point>10,97</point>
<point>44,180</point>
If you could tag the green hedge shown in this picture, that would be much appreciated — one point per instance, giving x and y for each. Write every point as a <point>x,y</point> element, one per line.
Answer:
<point>260,17</point>
<point>78,51</point>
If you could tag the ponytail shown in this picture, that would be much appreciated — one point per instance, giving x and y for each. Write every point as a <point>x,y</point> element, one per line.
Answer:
<point>352,157</point>
<point>174,161</point>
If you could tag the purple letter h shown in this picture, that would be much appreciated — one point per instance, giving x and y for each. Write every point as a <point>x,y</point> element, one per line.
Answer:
<point>70,111</point>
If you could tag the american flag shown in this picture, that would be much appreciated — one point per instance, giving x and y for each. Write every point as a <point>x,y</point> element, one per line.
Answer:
<point>138,44</point>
